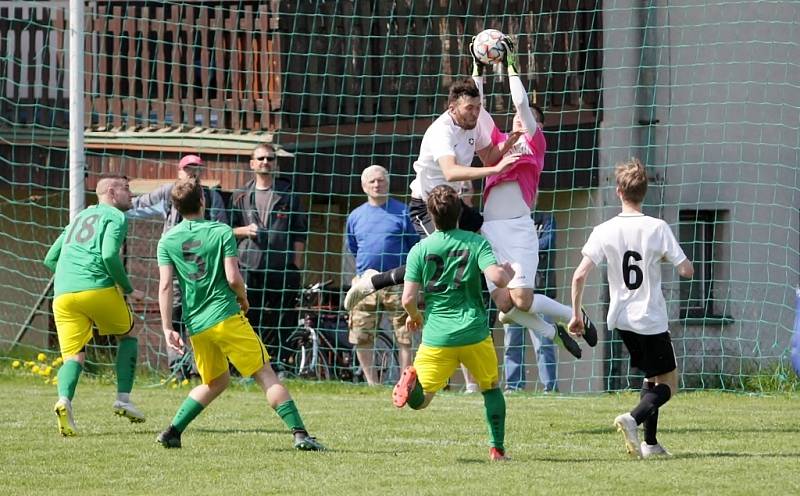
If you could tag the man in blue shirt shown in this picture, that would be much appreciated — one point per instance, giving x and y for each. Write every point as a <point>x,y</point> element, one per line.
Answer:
<point>379,235</point>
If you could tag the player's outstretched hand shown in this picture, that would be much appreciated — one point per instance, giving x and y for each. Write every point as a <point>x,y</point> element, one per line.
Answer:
<point>510,57</point>
<point>174,340</point>
<point>478,67</point>
<point>576,326</point>
<point>505,163</point>
<point>414,324</point>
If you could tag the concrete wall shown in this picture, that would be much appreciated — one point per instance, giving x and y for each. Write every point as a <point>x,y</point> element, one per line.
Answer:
<point>721,79</point>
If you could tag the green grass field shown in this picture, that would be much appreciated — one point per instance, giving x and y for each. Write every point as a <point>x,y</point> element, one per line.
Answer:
<point>722,444</point>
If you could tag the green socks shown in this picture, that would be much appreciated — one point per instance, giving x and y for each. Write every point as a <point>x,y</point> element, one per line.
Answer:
<point>127,354</point>
<point>68,376</point>
<point>416,398</point>
<point>495,406</point>
<point>287,411</point>
<point>188,411</point>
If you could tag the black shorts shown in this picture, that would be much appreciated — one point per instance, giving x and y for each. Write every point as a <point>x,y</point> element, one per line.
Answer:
<point>653,354</point>
<point>470,219</point>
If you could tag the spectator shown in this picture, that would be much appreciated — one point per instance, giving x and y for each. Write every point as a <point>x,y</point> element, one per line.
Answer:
<point>271,227</point>
<point>379,234</point>
<point>158,203</point>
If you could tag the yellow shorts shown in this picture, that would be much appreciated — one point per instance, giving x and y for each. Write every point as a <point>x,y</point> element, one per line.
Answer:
<point>232,339</point>
<point>435,365</point>
<point>75,313</point>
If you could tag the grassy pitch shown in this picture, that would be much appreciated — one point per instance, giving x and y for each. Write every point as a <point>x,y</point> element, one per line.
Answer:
<point>722,444</point>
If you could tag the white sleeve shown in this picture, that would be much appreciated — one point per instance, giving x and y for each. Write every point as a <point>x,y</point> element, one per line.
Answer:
<point>441,143</point>
<point>520,97</point>
<point>672,250</point>
<point>594,248</point>
<point>483,131</point>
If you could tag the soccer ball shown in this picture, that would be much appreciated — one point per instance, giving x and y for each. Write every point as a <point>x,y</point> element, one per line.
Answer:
<point>487,47</point>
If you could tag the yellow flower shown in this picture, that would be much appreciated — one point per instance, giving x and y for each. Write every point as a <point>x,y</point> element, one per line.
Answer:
<point>48,370</point>
<point>15,364</point>
<point>59,361</point>
<point>35,369</point>
<point>174,386</point>
<point>54,381</point>
<point>184,382</point>
<point>41,357</point>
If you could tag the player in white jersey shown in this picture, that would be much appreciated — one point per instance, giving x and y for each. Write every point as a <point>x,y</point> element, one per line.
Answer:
<point>445,157</point>
<point>634,246</point>
<point>508,226</point>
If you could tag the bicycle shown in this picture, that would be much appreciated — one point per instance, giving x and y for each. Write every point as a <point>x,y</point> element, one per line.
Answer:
<point>320,350</point>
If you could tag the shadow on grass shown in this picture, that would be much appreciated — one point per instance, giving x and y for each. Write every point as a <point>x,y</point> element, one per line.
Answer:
<point>694,430</point>
<point>256,430</point>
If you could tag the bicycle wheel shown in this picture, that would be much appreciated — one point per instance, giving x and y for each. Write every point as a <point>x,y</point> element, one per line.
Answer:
<point>387,366</point>
<point>302,362</point>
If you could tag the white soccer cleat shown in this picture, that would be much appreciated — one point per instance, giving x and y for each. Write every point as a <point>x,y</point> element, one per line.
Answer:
<point>66,424</point>
<point>360,290</point>
<point>654,451</point>
<point>129,411</point>
<point>626,424</point>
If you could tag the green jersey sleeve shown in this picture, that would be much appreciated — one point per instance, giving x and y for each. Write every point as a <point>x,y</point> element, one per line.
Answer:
<point>485,255</point>
<point>114,236</point>
<point>51,259</point>
<point>229,246</point>
<point>162,255</point>
<point>413,265</point>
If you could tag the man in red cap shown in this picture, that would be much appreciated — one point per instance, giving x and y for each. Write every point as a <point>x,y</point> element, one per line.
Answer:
<point>158,203</point>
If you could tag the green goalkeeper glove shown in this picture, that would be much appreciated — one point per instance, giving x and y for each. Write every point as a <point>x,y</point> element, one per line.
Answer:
<point>478,68</point>
<point>510,58</point>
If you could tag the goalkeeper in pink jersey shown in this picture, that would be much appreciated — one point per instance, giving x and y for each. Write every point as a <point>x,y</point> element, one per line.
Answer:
<point>508,199</point>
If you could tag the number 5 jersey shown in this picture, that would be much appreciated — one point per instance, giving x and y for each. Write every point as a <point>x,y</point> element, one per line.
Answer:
<point>196,249</point>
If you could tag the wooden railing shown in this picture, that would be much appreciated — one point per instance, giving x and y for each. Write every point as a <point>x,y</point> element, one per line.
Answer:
<point>224,65</point>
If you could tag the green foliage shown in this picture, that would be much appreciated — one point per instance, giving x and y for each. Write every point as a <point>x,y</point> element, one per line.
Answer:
<point>723,444</point>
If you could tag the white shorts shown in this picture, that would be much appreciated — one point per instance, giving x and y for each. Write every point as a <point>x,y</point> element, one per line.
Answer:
<point>514,241</point>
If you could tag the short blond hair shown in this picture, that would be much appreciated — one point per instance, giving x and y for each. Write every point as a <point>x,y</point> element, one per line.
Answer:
<point>631,180</point>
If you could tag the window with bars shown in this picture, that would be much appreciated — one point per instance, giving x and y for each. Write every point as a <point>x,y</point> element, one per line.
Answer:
<point>701,235</point>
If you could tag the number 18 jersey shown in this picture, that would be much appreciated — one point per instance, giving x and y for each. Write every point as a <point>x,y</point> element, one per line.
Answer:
<point>196,249</point>
<point>635,245</point>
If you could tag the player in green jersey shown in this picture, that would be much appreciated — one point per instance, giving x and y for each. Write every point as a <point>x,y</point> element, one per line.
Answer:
<point>202,254</point>
<point>447,267</point>
<point>90,280</point>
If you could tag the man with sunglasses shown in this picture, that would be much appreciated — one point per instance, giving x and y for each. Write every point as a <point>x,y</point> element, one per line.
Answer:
<point>271,226</point>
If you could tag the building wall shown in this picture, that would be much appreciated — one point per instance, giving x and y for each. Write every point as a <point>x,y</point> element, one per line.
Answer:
<point>725,98</point>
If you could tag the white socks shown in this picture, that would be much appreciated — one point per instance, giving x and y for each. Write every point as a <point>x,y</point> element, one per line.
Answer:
<point>550,307</point>
<point>532,321</point>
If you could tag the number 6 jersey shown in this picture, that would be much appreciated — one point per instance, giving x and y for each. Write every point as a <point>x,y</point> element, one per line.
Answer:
<point>634,245</point>
<point>196,249</point>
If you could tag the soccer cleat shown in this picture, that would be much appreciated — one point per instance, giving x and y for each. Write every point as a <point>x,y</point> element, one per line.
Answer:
<point>129,411</point>
<point>654,451</point>
<point>563,339</point>
<point>589,330</point>
<point>498,455</point>
<point>304,442</point>
<point>402,390</point>
<point>66,424</point>
<point>360,290</point>
<point>170,438</point>
<point>626,424</point>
